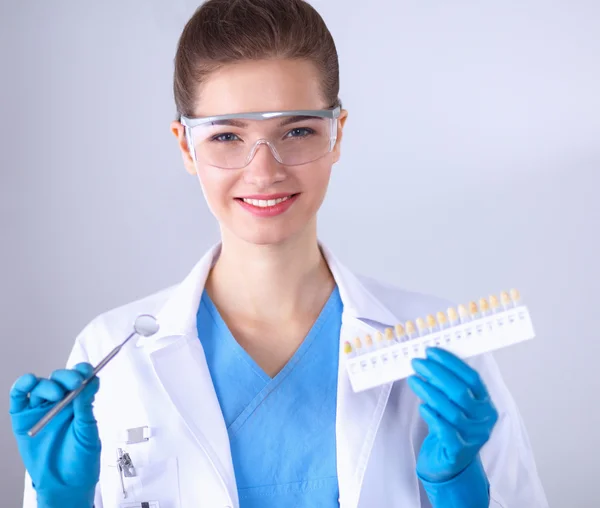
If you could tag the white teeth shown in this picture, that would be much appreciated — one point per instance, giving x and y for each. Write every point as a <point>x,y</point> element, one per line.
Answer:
<point>263,203</point>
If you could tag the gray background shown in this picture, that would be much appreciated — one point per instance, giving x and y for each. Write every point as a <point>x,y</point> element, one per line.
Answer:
<point>470,165</point>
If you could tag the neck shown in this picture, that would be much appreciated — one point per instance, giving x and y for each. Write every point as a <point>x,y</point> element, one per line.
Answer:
<point>270,283</point>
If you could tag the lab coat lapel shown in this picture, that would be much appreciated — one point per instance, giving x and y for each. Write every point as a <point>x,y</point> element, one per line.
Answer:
<point>358,414</point>
<point>179,363</point>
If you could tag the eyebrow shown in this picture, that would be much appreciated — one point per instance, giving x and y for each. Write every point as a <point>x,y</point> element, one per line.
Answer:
<point>296,119</point>
<point>286,121</point>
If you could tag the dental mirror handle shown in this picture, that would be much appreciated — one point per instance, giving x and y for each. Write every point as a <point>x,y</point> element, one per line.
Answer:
<point>69,398</point>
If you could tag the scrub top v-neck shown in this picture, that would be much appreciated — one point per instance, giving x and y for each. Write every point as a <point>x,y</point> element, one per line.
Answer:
<point>281,429</point>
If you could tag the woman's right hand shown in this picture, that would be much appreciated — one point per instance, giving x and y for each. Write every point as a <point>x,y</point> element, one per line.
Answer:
<point>63,460</point>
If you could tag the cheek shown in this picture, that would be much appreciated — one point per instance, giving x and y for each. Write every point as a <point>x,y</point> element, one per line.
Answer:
<point>216,186</point>
<point>316,178</point>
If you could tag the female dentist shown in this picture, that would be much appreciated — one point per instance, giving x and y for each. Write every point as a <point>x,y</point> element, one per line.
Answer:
<point>241,398</point>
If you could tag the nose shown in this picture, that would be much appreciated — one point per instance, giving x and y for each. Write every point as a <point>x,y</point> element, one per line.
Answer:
<point>263,170</point>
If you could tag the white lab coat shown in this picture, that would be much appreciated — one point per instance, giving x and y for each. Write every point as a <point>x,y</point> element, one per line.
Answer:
<point>163,383</point>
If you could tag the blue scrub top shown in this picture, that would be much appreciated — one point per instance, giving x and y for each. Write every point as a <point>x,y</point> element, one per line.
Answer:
<point>281,429</point>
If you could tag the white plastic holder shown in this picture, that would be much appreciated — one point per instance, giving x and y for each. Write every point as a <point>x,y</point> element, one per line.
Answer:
<point>488,333</point>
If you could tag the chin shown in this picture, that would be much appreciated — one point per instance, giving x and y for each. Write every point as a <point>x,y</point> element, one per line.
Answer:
<point>267,235</point>
<point>273,231</point>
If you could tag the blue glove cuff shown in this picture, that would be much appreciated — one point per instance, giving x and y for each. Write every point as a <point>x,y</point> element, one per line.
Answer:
<point>469,489</point>
<point>70,499</point>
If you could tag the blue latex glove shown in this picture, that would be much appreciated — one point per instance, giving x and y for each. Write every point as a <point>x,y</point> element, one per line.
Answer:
<point>459,413</point>
<point>63,460</point>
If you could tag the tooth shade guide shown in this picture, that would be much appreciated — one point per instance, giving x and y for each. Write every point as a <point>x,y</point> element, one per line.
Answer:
<point>515,296</point>
<point>484,305</point>
<point>421,325</point>
<point>431,322</point>
<point>475,336</point>
<point>389,335</point>
<point>400,331</point>
<point>369,341</point>
<point>452,315</point>
<point>473,310</point>
<point>494,303</point>
<point>347,347</point>
<point>441,319</point>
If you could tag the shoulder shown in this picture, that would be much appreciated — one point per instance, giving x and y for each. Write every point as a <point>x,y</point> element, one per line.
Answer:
<point>406,304</point>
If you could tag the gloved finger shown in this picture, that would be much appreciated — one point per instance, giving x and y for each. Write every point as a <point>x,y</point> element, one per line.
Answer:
<point>46,391</point>
<point>438,401</point>
<point>446,433</point>
<point>85,369</point>
<point>19,393</point>
<point>476,433</point>
<point>84,402</point>
<point>461,369</point>
<point>455,388</point>
<point>84,424</point>
<point>68,379</point>
<point>87,395</point>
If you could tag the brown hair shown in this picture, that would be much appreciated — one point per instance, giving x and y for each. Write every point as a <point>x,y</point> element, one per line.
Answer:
<point>227,31</point>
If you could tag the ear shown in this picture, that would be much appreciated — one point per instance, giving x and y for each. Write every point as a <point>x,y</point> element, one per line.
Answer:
<point>337,149</point>
<point>178,131</point>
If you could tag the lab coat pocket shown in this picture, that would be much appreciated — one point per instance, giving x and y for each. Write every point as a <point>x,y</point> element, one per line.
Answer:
<point>154,481</point>
<point>159,481</point>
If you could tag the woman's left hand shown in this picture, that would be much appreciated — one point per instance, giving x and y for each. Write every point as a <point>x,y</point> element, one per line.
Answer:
<point>458,410</point>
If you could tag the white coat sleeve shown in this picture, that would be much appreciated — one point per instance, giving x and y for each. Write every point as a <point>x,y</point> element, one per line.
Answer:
<point>78,355</point>
<point>508,457</point>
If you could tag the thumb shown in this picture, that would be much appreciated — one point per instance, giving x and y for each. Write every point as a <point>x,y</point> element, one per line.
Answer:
<point>447,435</point>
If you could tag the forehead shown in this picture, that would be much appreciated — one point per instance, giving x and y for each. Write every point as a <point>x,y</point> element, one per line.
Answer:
<point>265,85</point>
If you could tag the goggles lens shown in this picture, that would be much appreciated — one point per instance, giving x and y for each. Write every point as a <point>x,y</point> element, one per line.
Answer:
<point>293,140</point>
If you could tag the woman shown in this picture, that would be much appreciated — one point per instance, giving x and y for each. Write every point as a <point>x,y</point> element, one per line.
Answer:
<point>242,399</point>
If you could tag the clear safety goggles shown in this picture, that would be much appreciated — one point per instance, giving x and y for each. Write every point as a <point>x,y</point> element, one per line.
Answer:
<point>231,141</point>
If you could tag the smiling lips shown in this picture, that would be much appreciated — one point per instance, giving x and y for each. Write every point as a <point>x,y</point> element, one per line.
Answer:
<point>267,206</point>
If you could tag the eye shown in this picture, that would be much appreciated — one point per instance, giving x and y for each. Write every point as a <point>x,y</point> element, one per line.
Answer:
<point>225,137</point>
<point>300,132</point>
